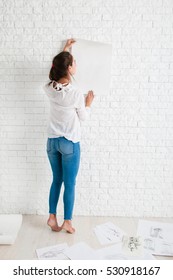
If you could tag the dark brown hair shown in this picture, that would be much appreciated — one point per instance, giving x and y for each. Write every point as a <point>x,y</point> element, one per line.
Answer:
<point>60,65</point>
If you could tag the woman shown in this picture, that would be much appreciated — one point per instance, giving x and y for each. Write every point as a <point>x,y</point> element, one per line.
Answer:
<point>67,109</point>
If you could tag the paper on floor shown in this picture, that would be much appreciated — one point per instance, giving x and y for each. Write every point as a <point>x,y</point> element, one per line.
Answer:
<point>108,233</point>
<point>52,252</point>
<point>80,251</point>
<point>115,252</point>
<point>9,227</point>
<point>158,237</point>
<point>132,245</point>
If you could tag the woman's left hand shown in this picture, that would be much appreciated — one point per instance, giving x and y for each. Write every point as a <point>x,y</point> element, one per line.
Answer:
<point>89,98</point>
<point>68,44</point>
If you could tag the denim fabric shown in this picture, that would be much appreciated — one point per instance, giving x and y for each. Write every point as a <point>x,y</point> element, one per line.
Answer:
<point>64,158</point>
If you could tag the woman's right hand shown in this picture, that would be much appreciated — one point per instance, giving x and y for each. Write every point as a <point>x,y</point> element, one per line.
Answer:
<point>68,44</point>
<point>89,98</point>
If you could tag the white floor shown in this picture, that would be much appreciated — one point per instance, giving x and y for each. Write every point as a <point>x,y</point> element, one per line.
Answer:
<point>35,234</point>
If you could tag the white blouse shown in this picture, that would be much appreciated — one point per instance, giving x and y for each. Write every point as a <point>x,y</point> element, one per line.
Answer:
<point>67,109</point>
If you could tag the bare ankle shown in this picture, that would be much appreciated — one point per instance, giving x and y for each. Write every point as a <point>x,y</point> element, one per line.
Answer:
<point>52,216</point>
<point>67,225</point>
<point>68,222</point>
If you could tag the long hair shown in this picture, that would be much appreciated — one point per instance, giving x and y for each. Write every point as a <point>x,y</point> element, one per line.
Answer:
<point>60,65</point>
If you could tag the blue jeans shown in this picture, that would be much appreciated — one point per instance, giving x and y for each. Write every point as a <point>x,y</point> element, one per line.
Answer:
<point>64,157</point>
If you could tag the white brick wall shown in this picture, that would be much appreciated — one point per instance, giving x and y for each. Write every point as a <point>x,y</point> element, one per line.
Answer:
<point>127,145</point>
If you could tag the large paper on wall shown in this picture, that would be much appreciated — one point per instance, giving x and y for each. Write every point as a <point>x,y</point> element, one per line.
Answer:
<point>93,61</point>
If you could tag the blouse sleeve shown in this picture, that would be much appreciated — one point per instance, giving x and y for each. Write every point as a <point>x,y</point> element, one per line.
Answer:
<point>81,109</point>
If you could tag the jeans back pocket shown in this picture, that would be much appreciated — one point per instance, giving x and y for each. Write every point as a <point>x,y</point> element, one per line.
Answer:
<point>66,147</point>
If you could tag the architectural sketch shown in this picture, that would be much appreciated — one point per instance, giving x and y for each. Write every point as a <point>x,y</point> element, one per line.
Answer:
<point>158,237</point>
<point>116,252</point>
<point>53,252</point>
<point>156,232</point>
<point>132,246</point>
<point>108,233</point>
<point>134,243</point>
<point>149,244</point>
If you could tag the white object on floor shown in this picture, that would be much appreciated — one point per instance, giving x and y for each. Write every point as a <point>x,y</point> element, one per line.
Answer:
<point>80,251</point>
<point>9,227</point>
<point>110,252</point>
<point>108,233</point>
<point>132,245</point>
<point>158,237</point>
<point>115,252</point>
<point>52,252</point>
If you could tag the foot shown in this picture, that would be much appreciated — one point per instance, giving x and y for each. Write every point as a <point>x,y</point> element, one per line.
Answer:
<point>52,223</point>
<point>67,225</point>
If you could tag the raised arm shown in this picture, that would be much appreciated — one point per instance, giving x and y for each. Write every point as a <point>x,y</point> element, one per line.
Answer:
<point>68,45</point>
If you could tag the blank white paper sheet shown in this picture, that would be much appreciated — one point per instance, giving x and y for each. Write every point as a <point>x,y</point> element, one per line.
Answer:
<point>93,60</point>
<point>9,227</point>
<point>80,251</point>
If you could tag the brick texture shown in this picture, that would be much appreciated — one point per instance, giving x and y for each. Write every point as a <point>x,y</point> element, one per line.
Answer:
<point>127,144</point>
